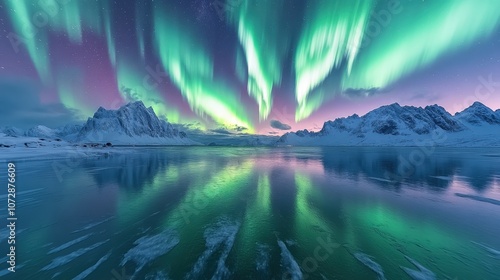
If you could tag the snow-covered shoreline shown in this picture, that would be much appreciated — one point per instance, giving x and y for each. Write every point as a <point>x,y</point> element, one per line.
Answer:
<point>26,148</point>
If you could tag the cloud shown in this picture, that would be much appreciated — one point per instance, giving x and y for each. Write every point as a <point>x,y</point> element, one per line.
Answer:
<point>232,129</point>
<point>221,131</point>
<point>239,128</point>
<point>279,125</point>
<point>198,129</point>
<point>362,92</point>
<point>131,95</point>
<point>425,95</point>
<point>20,106</point>
<point>193,127</point>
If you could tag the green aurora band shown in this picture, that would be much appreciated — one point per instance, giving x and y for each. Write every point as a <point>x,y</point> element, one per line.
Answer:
<point>139,27</point>
<point>67,80</point>
<point>71,18</point>
<point>191,70</point>
<point>109,36</point>
<point>264,38</point>
<point>419,36</point>
<point>332,34</point>
<point>33,21</point>
<point>36,42</point>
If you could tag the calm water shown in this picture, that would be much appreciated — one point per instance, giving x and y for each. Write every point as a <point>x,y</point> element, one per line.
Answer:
<point>259,213</point>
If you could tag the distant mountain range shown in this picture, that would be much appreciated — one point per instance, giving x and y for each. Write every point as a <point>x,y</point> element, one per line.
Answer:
<point>391,125</point>
<point>395,125</point>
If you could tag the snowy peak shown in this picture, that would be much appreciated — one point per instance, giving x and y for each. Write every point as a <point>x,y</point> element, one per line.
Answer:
<point>40,131</point>
<point>12,131</point>
<point>442,118</point>
<point>478,105</point>
<point>133,119</point>
<point>395,119</point>
<point>133,123</point>
<point>478,114</point>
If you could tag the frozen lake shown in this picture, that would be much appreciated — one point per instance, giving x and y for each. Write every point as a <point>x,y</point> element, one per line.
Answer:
<point>259,213</point>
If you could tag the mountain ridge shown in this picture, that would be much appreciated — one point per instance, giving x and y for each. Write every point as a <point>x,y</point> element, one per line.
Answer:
<point>388,125</point>
<point>131,124</point>
<point>396,125</point>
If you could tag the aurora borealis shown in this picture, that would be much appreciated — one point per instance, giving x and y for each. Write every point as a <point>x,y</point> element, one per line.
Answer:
<point>242,64</point>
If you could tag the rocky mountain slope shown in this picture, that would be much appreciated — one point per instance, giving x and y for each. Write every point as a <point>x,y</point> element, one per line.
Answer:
<point>396,125</point>
<point>132,124</point>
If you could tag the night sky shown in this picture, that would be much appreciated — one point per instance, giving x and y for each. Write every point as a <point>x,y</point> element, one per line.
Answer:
<point>251,66</point>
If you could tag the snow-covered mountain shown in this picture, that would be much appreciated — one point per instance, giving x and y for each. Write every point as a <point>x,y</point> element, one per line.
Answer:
<point>479,115</point>
<point>12,131</point>
<point>40,131</point>
<point>69,129</point>
<point>132,124</point>
<point>396,125</point>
